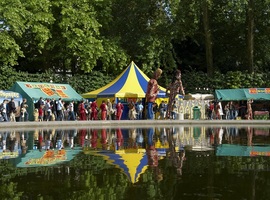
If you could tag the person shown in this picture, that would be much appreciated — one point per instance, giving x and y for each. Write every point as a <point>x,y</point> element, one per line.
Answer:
<point>12,109</point>
<point>152,92</point>
<point>82,111</point>
<point>71,114</point>
<point>3,110</point>
<point>249,109</point>
<point>113,110</point>
<point>175,88</point>
<point>209,107</point>
<point>119,110</point>
<point>47,110</point>
<point>103,109</point>
<point>242,109</point>
<point>227,111</point>
<point>24,113</point>
<point>131,110</point>
<point>174,110</point>
<point>39,103</point>
<point>40,113</point>
<point>60,108</point>
<point>109,109</point>
<point>53,105</point>
<point>217,110</point>
<point>94,111</point>
<point>231,109</point>
<point>139,109</point>
<point>162,110</point>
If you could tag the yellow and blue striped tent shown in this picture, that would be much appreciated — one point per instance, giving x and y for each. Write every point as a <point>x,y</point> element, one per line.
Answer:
<point>131,83</point>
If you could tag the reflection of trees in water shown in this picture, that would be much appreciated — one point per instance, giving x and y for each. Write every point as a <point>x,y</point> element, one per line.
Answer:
<point>85,177</point>
<point>89,176</point>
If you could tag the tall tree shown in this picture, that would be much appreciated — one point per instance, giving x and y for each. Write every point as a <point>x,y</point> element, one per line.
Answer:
<point>250,36</point>
<point>208,37</point>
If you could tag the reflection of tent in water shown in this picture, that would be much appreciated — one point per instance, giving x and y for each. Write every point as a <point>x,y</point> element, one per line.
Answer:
<point>133,164</point>
<point>238,150</point>
<point>47,158</point>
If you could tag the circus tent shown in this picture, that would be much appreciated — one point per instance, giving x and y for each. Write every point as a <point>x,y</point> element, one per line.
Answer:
<point>131,83</point>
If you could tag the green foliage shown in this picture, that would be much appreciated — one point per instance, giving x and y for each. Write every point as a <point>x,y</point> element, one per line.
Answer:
<point>81,36</point>
<point>193,81</point>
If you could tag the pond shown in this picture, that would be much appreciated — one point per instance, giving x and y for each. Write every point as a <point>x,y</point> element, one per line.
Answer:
<point>170,162</point>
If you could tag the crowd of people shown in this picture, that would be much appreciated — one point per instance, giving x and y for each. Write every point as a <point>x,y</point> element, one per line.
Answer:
<point>59,110</point>
<point>229,111</point>
<point>10,112</point>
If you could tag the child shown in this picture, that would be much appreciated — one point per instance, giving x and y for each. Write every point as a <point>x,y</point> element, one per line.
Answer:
<point>40,113</point>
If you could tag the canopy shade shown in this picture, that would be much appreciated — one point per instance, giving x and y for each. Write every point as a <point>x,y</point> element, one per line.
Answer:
<point>32,91</point>
<point>243,94</point>
<point>35,90</point>
<point>131,83</point>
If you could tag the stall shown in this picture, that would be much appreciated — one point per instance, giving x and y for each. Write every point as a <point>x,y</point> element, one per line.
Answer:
<point>260,97</point>
<point>32,91</point>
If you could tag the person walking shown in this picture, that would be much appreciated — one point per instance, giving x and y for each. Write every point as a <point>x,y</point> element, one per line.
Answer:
<point>249,109</point>
<point>103,109</point>
<point>175,88</point>
<point>82,111</point>
<point>71,114</point>
<point>131,111</point>
<point>24,112</point>
<point>109,109</point>
<point>152,92</point>
<point>94,111</point>
<point>119,110</point>
<point>139,109</point>
<point>60,107</point>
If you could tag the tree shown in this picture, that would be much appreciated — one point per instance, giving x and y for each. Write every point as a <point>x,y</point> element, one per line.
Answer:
<point>208,37</point>
<point>20,20</point>
<point>250,36</point>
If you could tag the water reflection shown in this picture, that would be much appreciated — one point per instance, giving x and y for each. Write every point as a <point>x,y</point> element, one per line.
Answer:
<point>148,163</point>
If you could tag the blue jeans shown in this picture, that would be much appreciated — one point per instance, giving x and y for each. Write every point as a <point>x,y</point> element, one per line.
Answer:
<point>139,114</point>
<point>150,135</point>
<point>150,113</point>
<point>71,115</point>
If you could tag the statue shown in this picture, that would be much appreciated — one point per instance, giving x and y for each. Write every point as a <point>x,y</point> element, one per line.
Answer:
<point>175,88</point>
<point>152,92</point>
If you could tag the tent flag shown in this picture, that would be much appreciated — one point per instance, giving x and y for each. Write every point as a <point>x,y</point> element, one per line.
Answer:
<point>243,94</point>
<point>131,83</point>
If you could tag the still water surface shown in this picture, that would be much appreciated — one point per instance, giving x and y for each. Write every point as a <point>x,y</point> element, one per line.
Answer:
<point>173,162</point>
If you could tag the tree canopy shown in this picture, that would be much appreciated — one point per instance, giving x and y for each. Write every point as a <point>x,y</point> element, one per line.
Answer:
<point>82,36</point>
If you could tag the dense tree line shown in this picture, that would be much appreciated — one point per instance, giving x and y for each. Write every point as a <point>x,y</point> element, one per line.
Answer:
<point>81,37</point>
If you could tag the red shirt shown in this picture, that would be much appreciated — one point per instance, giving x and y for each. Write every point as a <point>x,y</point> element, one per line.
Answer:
<point>103,107</point>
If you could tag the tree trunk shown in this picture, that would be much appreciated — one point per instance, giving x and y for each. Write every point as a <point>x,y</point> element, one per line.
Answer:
<point>208,39</point>
<point>250,36</point>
